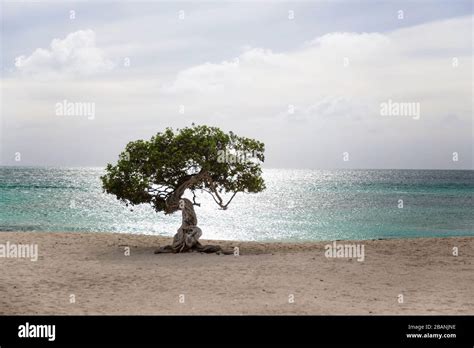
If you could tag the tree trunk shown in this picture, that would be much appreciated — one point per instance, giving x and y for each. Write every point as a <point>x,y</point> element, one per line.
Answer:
<point>187,237</point>
<point>172,202</point>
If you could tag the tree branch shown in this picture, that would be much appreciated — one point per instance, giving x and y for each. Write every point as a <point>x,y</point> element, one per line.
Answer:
<point>212,195</point>
<point>219,202</point>
<point>230,200</point>
<point>172,202</point>
<point>194,199</point>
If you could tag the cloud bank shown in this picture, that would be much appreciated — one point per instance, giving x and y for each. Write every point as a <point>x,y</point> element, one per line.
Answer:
<point>75,55</point>
<point>308,103</point>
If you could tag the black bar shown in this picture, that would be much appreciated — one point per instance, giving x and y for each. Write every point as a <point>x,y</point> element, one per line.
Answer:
<point>262,330</point>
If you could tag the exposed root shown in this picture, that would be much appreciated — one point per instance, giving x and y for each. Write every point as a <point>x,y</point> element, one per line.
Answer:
<point>187,237</point>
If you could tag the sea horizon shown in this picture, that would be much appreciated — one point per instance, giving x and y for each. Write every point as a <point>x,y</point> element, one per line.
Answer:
<point>298,205</point>
<point>263,167</point>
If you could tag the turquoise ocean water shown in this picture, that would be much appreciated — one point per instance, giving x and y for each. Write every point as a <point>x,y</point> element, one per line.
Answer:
<point>298,205</point>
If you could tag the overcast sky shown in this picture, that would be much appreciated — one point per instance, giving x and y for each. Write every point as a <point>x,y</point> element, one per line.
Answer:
<point>306,78</point>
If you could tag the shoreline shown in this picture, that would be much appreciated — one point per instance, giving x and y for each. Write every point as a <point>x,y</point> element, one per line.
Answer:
<point>217,241</point>
<point>266,278</point>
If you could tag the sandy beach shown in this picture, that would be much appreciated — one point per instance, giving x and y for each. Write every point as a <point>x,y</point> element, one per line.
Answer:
<point>90,273</point>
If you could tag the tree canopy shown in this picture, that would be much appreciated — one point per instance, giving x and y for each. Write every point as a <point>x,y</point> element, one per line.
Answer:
<point>198,158</point>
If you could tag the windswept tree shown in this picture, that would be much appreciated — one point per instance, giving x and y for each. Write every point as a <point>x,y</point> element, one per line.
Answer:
<point>197,159</point>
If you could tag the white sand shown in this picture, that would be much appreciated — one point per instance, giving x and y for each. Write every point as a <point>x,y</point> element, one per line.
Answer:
<point>262,280</point>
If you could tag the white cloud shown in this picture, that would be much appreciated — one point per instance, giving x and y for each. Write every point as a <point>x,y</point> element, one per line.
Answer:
<point>75,55</point>
<point>351,43</point>
<point>380,66</point>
